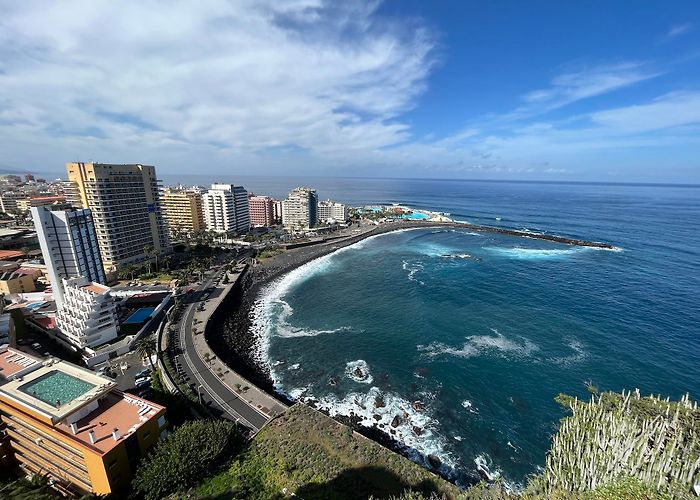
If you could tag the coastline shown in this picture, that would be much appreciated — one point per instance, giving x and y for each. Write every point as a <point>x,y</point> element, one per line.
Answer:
<point>236,344</point>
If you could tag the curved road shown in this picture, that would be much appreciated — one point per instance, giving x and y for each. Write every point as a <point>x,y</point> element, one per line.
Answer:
<point>212,389</point>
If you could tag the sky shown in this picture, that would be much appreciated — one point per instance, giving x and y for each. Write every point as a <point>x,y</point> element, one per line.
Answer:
<point>562,91</point>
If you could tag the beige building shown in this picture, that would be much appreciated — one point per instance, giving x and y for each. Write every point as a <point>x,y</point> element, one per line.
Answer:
<point>8,201</point>
<point>24,204</point>
<point>182,211</point>
<point>300,209</point>
<point>72,426</point>
<point>18,281</point>
<point>125,209</point>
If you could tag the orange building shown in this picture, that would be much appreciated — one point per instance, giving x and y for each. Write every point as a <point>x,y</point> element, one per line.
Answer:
<point>67,423</point>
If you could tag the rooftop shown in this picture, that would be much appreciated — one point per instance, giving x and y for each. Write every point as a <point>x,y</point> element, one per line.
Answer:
<point>33,390</point>
<point>12,362</point>
<point>96,288</point>
<point>10,254</point>
<point>116,410</point>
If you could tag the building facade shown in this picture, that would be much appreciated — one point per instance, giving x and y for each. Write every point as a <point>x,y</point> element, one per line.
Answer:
<point>125,208</point>
<point>262,211</point>
<point>25,204</point>
<point>69,245</point>
<point>226,209</point>
<point>182,212</point>
<point>300,209</point>
<point>17,282</point>
<point>87,316</point>
<point>8,201</point>
<point>73,426</point>
<point>330,212</point>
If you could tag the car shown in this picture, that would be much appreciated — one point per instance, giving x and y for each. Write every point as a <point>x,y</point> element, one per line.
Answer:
<point>21,342</point>
<point>142,382</point>
<point>143,373</point>
<point>36,345</point>
<point>144,393</point>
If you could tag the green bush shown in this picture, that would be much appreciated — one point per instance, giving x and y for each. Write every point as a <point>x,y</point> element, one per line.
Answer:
<point>181,460</point>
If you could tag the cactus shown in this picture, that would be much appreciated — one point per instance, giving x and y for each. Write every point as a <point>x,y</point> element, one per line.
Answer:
<point>616,435</point>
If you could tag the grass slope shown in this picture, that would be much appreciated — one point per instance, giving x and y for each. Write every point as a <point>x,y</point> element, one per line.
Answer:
<point>306,453</point>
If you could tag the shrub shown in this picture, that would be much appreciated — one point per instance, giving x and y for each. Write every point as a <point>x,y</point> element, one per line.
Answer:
<point>186,454</point>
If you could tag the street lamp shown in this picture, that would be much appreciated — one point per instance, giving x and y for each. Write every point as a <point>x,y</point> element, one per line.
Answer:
<point>199,393</point>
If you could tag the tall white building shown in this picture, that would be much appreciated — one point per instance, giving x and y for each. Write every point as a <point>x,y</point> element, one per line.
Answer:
<point>226,209</point>
<point>88,316</point>
<point>330,211</point>
<point>69,245</point>
<point>300,209</point>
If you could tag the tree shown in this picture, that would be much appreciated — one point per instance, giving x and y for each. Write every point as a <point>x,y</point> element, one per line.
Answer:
<point>148,250</point>
<point>146,347</point>
<point>185,456</point>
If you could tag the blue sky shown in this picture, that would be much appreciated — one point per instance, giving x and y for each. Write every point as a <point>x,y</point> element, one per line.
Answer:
<point>597,90</point>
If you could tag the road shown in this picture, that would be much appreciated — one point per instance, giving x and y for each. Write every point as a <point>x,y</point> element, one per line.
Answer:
<point>211,389</point>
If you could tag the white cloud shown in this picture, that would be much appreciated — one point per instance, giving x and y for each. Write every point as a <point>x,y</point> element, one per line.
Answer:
<point>236,78</point>
<point>679,29</point>
<point>572,86</point>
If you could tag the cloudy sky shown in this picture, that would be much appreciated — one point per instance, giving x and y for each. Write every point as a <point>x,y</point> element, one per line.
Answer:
<point>550,90</point>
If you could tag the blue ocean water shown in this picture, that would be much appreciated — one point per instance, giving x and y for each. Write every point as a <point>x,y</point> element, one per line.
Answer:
<point>484,330</point>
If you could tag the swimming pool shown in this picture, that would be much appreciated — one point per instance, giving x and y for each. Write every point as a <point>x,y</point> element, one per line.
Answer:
<point>140,315</point>
<point>56,388</point>
<point>415,216</point>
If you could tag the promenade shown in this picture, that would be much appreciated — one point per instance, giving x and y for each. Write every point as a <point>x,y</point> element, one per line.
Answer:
<point>218,385</point>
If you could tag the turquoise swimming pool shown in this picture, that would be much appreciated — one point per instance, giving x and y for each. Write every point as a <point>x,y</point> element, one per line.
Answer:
<point>140,315</point>
<point>56,388</point>
<point>415,216</point>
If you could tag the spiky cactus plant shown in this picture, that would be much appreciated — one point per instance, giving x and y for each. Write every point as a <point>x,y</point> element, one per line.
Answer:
<point>620,435</point>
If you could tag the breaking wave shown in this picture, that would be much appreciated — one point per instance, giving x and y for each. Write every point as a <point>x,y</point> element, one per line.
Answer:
<point>477,345</point>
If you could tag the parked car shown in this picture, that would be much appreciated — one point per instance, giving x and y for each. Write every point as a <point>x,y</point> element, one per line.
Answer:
<point>142,382</point>
<point>143,373</point>
<point>36,346</point>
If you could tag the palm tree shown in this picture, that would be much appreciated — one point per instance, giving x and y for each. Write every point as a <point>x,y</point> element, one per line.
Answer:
<point>146,347</point>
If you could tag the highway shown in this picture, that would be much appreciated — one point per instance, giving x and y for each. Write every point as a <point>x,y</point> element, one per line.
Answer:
<point>211,389</point>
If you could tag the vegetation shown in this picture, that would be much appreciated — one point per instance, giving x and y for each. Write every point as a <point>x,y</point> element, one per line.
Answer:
<point>613,436</point>
<point>26,489</point>
<point>184,456</point>
<point>312,455</point>
<point>269,252</point>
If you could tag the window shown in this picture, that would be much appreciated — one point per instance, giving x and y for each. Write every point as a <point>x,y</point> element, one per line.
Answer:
<point>112,464</point>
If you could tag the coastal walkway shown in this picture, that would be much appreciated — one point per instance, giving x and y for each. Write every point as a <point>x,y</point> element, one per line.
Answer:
<point>216,383</point>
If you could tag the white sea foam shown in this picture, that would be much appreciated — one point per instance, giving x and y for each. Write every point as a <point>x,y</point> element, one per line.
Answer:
<point>456,256</point>
<point>416,429</point>
<point>485,466</point>
<point>467,405</point>
<point>535,253</point>
<point>353,368</point>
<point>295,366</point>
<point>413,268</point>
<point>578,354</point>
<point>476,345</point>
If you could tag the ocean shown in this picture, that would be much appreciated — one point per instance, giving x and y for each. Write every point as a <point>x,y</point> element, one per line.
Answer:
<point>456,343</point>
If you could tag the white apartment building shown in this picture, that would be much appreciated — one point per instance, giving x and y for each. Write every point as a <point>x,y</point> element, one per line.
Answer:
<point>226,209</point>
<point>330,212</point>
<point>69,246</point>
<point>87,317</point>
<point>300,209</point>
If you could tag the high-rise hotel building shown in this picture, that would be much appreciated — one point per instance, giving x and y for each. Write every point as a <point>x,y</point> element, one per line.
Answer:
<point>69,245</point>
<point>226,209</point>
<point>182,211</point>
<point>73,426</point>
<point>125,209</point>
<point>300,209</point>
